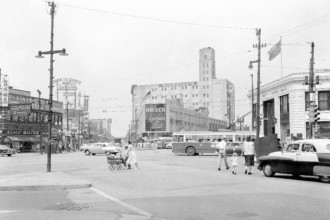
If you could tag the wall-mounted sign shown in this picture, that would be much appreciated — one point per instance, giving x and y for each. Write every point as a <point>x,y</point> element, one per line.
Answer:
<point>178,84</point>
<point>155,117</point>
<point>67,80</point>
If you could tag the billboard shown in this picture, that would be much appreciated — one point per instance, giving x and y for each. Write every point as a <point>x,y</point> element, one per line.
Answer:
<point>155,117</point>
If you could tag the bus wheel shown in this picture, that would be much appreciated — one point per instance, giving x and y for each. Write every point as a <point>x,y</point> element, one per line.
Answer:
<point>191,151</point>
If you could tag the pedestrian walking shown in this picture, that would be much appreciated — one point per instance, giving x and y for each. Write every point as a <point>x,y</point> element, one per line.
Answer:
<point>132,159</point>
<point>154,145</point>
<point>249,154</point>
<point>234,162</point>
<point>221,146</point>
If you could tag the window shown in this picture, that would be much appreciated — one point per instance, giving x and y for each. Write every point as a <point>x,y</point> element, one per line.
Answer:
<point>292,147</point>
<point>324,100</point>
<point>308,148</point>
<point>284,104</point>
<point>307,101</point>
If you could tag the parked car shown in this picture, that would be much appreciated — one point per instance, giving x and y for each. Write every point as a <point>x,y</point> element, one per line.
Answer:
<point>101,148</point>
<point>84,147</point>
<point>5,150</point>
<point>303,157</point>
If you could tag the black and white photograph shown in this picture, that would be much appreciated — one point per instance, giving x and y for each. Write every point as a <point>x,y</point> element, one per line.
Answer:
<point>164,110</point>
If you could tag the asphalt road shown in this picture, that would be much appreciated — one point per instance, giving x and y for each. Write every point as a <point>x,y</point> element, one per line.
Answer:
<point>166,186</point>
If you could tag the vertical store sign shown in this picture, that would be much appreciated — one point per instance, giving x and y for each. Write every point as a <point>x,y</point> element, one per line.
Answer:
<point>155,117</point>
<point>86,100</point>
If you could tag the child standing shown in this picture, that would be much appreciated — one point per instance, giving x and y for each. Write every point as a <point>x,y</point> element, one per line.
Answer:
<point>234,162</point>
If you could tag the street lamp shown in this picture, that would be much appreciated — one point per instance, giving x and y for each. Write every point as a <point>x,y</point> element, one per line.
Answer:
<point>51,53</point>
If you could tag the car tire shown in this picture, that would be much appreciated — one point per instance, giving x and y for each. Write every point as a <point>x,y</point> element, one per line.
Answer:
<point>93,154</point>
<point>112,167</point>
<point>191,151</point>
<point>9,155</point>
<point>267,170</point>
<point>324,179</point>
<point>87,152</point>
<point>296,176</point>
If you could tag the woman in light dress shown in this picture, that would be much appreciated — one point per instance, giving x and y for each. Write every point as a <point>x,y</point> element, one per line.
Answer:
<point>131,156</point>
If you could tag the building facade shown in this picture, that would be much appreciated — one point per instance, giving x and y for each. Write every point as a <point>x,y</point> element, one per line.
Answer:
<point>100,130</point>
<point>285,106</point>
<point>217,96</point>
<point>162,119</point>
<point>24,119</point>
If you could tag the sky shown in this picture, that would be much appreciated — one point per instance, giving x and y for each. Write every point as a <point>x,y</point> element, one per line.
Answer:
<point>114,44</point>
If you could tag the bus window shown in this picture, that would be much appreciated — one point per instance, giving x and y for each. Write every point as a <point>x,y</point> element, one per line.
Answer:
<point>229,138</point>
<point>194,138</point>
<point>178,138</point>
<point>238,138</point>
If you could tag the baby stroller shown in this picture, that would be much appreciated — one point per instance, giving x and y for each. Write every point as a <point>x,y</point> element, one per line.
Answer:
<point>115,162</point>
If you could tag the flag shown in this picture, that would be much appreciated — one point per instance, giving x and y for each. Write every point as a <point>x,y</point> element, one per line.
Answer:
<point>276,50</point>
<point>146,95</point>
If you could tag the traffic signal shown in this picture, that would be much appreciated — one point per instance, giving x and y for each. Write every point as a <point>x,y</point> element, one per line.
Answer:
<point>316,114</point>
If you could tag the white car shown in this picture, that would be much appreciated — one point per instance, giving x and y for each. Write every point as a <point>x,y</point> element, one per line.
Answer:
<point>101,148</point>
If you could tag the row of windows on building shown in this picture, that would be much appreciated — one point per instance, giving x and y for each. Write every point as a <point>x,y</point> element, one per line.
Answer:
<point>205,65</point>
<point>174,88</point>
<point>205,78</point>
<point>323,102</point>
<point>174,96</point>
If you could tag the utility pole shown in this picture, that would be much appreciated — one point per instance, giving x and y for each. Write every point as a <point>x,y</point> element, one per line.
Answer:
<point>311,91</point>
<point>259,46</point>
<point>67,116</point>
<point>40,123</point>
<point>51,70</point>
<point>252,104</point>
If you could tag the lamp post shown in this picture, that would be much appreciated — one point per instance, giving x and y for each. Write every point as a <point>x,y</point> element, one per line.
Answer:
<point>40,124</point>
<point>51,53</point>
<point>259,46</point>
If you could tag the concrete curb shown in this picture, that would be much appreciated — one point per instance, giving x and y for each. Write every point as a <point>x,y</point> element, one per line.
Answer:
<point>44,187</point>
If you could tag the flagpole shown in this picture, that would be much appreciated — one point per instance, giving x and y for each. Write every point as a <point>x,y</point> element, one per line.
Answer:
<point>281,58</point>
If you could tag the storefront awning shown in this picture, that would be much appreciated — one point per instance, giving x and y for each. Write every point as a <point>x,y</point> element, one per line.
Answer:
<point>24,138</point>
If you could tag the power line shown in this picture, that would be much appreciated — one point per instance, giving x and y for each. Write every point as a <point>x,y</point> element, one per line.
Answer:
<point>298,28</point>
<point>154,19</point>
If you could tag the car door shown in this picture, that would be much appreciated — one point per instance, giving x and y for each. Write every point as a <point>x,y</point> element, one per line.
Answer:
<point>96,148</point>
<point>307,158</point>
<point>289,162</point>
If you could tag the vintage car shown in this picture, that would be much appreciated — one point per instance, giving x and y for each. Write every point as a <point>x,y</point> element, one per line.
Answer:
<point>5,150</point>
<point>101,148</point>
<point>303,157</point>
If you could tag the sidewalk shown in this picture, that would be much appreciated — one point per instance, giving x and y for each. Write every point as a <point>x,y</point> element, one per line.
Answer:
<point>41,181</point>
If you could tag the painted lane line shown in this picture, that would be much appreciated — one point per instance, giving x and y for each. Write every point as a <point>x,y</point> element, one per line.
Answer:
<point>135,209</point>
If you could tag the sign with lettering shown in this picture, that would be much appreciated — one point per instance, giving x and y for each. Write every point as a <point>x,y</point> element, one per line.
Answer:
<point>155,117</point>
<point>178,84</point>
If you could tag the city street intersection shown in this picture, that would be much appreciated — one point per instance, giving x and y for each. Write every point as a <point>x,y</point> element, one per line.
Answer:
<point>166,186</point>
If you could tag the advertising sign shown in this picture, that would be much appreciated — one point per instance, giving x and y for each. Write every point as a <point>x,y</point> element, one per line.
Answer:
<point>20,109</point>
<point>155,117</point>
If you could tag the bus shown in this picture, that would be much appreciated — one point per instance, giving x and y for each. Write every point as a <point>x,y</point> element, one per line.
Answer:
<point>195,143</point>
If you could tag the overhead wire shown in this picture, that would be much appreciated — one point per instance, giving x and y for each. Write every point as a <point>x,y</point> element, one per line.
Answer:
<point>153,18</point>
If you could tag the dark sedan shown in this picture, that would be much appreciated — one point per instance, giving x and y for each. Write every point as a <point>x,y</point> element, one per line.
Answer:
<point>304,157</point>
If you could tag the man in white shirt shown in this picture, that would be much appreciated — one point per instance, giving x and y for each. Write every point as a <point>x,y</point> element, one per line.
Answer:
<point>221,146</point>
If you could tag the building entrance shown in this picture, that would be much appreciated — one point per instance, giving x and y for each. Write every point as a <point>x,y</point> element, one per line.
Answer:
<point>269,118</point>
